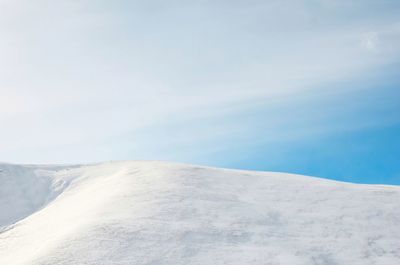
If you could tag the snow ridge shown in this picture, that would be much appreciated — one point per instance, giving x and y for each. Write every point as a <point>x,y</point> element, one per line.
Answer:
<point>26,189</point>
<point>163,213</point>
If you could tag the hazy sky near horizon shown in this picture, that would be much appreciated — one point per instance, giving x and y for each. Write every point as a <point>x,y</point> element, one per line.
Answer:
<point>307,86</point>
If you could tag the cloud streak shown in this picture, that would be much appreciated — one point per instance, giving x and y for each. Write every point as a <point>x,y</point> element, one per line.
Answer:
<point>76,74</point>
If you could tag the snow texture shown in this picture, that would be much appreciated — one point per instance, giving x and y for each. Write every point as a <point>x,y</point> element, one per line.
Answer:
<point>159,213</point>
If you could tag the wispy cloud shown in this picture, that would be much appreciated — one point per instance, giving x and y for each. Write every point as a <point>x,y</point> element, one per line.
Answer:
<point>76,74</point>
<point>370,41</point>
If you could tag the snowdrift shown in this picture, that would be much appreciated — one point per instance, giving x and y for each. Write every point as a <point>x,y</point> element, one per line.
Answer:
<point>162,213</point>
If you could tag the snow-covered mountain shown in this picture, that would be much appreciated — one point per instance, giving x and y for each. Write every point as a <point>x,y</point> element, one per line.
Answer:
<point>172,214</point>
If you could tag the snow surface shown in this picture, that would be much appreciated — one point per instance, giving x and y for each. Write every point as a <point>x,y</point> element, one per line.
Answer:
<point>159,213</point>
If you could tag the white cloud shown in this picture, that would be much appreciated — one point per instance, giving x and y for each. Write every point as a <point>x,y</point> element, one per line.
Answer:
<point>82,72</point>
<point>370,41</point>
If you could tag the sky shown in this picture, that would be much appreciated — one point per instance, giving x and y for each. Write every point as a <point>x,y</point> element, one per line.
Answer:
<point>306,86</point>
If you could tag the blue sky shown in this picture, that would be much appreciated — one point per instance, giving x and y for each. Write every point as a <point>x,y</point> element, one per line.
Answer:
<point>309,87</point>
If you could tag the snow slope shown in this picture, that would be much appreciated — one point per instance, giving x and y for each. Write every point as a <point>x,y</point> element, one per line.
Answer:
<point>159,213</point>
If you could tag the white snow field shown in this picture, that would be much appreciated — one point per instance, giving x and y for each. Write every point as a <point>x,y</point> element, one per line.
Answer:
<point>159,213</point>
